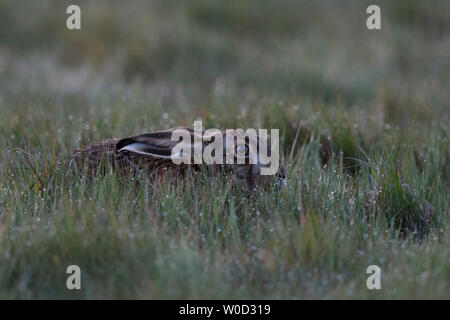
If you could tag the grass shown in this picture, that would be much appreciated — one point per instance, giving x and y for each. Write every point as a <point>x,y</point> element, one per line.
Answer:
<point>375,101</point>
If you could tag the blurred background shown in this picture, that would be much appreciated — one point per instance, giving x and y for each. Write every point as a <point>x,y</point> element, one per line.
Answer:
<point>145,65</point>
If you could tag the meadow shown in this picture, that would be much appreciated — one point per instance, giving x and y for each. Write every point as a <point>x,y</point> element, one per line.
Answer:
<point>379,100</point>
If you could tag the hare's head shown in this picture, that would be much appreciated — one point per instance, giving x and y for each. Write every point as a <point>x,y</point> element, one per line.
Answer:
<point>256,159</point>
<point>247,155</point>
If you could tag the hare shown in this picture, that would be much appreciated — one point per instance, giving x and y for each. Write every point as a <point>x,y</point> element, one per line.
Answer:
<point>153,153</point>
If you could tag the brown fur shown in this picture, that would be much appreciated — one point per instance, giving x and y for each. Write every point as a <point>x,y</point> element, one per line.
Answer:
<point>93,157</point>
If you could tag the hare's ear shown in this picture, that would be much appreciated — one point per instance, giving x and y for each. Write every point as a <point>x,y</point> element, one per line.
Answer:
<point>155,144</point>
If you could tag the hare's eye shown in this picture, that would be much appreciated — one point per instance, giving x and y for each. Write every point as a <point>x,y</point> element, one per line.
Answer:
<point>242,150</point>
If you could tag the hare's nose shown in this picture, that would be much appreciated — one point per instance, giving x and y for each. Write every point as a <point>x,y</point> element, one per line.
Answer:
<point>282,182</point>
<point>282,179</point>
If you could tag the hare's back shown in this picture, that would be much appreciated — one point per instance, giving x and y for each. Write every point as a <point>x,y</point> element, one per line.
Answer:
<point>93,156</point>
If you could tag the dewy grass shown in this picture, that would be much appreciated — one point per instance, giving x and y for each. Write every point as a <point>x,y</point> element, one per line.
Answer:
<point>381,196</point>
<point>134,237</point>
<point>403,205</point>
